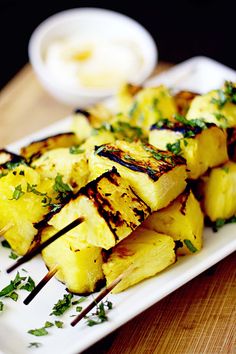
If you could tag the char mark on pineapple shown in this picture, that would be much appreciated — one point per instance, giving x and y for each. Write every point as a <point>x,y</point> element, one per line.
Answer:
<point>183,199</point>
<point>143,166</point>
<point>82,111</point>
<point>9,160</point>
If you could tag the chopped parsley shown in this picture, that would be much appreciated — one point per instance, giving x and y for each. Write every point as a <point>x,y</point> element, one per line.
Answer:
<point>19,283</point>
<point>100,315</point>
<point>78,308</point>
<point>17,192</point>
<point>48,324</point>
<point>81,299</point>
<point>34,345</point>
<point>38,332</point>
<point>175,148</point>
<point>219,223</point>
<point>133,109</point>
<point>75,150</point>
<point>225,169</point>
<point>163,122</point>
<point>9,290</point>
<point>1,306</point>
<point>195,123</point>
<point>5,244</point>
<point>190,246</point>
<point>128,157</point>
<point>221,100</point>
<point>13,255</point>
<point>156,154</point>
<point>59,324</point>
<point>29,285</point>
<point>62,305</point>
<point>11,165</point>
<point>62,188</point>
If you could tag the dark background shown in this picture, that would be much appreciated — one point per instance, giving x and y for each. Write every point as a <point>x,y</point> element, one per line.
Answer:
<point>181,29</point>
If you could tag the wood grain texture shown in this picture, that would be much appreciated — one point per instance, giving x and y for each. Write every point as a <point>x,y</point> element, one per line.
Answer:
<point>198,318</point>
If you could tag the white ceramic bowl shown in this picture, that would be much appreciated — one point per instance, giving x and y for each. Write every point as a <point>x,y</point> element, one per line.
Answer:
<point>82,20</point>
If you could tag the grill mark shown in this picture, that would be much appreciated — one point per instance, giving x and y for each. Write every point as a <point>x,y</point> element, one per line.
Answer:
<point>138,166</point>
<point>181,128</point>
<point>82,111</point>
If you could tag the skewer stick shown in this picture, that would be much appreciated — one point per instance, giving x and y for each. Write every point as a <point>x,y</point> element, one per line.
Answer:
<point>40,285</point>
<point>39,248</point>
<point>102,294</point>
<point>5,228</point>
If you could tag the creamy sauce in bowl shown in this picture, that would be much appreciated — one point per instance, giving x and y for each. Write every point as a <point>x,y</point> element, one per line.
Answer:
<point>93,62</point>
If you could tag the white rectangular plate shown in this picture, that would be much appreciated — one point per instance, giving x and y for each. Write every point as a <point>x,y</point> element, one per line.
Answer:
<point>199,74</point>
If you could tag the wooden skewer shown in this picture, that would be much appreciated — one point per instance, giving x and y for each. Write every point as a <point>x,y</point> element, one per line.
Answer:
<point>6,228</point>
<point>40,285</point>
<point>102,294</point>
<point>39,248</point>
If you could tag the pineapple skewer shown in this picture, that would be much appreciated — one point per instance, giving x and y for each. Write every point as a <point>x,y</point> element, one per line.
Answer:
<point>50,274</point>
<point>32,253</point>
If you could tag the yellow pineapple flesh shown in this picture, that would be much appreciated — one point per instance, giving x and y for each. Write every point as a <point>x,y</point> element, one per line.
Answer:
<point>79,265</point>
<point>145,253</point>
<point>183,220</point>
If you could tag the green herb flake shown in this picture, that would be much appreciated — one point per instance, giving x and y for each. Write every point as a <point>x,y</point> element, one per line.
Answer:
<point>75,150</point>
<point>17,192</point>
<point>128,157</point>
<point>81,299</point>
<point>13,255</point>
<point>59,324</point>
<point>79,308</point>
<point>219,223</point>
<point>29,285</point>
<point>100,315</point>
<point>62,188</point>
<point>38,332</point>
<point>190,246</point>
<point>9,290</point>
<point>62,305</point>
<point>48,324</point>
<point>174,148</point>
<point>34,345</point>
<point>1,306</point>
<point>5,244</point>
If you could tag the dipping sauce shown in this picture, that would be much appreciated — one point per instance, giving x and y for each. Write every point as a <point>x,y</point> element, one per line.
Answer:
<point>93,62</point>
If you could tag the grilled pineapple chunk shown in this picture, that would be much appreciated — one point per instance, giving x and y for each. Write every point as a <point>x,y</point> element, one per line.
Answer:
<point>110,208</point>
<point>183,220</point>
<point>21,194</point>
<point>219,192</point>
<point>126,95</point>
<point>150,105</point>
<point>37,148</point>
<point>156,176</point>
<point>80,266</point>
<point>71,163</point>
<point>144,252</point>
<point>202,148</point>
<point>217,106</point>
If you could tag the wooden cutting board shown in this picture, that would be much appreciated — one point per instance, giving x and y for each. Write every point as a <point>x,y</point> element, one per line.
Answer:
<point>200,317</point>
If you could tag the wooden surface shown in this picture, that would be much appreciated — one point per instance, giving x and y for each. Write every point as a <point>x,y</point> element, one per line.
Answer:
<point>200,317</point>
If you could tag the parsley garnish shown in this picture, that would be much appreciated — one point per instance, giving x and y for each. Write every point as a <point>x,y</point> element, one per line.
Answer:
<point>48,324</point>
<point>34,345</point>
<point>5,244</point>
<point>9,290</point>
<point>190,246</point>
<point>78,308</point>
<point>163,122</point>
<point>1,306</point>
<point>100,315</point>
<point>59,324</point>
<point>230,91</point>
<point>62,188</point>
<point>13,255</point>
<point>156,154</point>
<point>10,165</point>
<point>128,157</point>
<point>221,222</point>
<point>74,150</point>
<point>29,285</point>
<point>62,305</point>
<point>174,148</point>
<point>225,168</point>
<point>81,299</point>
<point>18,192</point>
<point>221,100</point>
<point>16,284</point>
<point>133,109</point>
<point>38,332</point>
<point>192,122</point>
